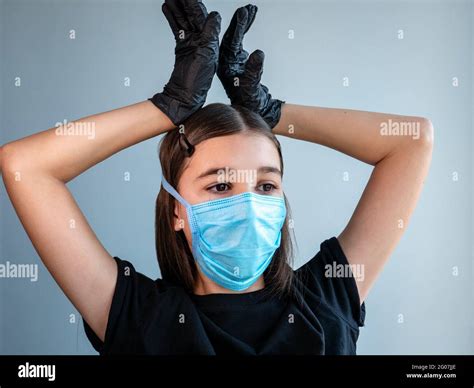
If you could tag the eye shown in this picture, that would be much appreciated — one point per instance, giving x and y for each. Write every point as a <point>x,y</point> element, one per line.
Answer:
<point>267,187</point>
<point>219,188</point>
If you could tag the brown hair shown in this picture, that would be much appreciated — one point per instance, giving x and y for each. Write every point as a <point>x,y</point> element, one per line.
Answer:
<point>175,258</point>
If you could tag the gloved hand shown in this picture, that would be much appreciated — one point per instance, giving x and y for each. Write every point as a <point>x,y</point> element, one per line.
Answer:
<point>197,52</point>
<point>240,73</point>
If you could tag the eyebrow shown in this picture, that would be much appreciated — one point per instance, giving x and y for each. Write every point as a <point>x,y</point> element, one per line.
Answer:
<point>260,170</point>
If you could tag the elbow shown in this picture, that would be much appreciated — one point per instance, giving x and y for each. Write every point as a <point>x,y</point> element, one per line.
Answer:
<point>9,161</point>
<point>4,159</point>
<point>1,160</point>
<point>419,137</point>
<point>426,133</point>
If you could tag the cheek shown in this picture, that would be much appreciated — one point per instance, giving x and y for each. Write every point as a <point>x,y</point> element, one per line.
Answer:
<point>187,233</point>
<point>185,226</point>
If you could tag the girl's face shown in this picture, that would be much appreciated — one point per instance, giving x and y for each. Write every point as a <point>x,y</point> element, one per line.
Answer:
<point>222,167</point>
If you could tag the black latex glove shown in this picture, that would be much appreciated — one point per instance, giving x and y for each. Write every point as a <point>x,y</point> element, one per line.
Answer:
<point>197,53</point>
<point>240,73</point>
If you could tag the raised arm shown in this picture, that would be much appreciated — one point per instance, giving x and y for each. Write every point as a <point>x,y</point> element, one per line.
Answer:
<point>401,161</point>
<point>35,172</point>
<point>401,165</point>
<point>36,169</point>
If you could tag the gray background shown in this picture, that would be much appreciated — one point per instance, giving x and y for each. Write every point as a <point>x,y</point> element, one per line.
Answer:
<point>69,79</point>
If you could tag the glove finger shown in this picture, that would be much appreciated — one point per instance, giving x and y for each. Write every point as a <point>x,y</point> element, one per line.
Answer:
<point>254,66</point>
<point>196,14</point>
<point>169,16</point>
<point>252,12</point>
<point>176,7</point>
<point>212,26</point>
<point>235,32</point>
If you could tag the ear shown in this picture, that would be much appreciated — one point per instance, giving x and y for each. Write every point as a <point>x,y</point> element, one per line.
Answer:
<point>178,217</point>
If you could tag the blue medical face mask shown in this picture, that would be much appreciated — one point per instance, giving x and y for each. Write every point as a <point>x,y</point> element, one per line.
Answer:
<point>234,238</point>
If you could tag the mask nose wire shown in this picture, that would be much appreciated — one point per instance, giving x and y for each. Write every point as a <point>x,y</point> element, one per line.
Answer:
<point>170,189</point>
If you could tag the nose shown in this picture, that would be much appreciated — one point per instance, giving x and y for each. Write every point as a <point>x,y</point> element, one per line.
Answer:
<point>244,187</point>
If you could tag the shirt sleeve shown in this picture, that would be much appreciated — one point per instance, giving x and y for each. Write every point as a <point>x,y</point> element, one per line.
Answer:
<point>331,280</point>
<point>131,293</point>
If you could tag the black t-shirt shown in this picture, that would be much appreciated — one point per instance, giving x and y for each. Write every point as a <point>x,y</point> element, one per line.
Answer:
<point>153,317</point>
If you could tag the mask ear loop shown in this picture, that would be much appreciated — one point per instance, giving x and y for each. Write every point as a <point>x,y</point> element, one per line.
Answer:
<point>186,145</point>
<point>171,190</point>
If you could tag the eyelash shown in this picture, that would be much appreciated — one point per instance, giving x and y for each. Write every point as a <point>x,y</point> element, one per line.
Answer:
<point>273,188</point>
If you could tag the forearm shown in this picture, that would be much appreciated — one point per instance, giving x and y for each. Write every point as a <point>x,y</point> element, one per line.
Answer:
<point>67,152</point>
<point>356,133</point>
<point>389,199</point>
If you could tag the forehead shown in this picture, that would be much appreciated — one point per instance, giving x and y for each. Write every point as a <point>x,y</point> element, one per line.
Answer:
<point>237,151</point>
